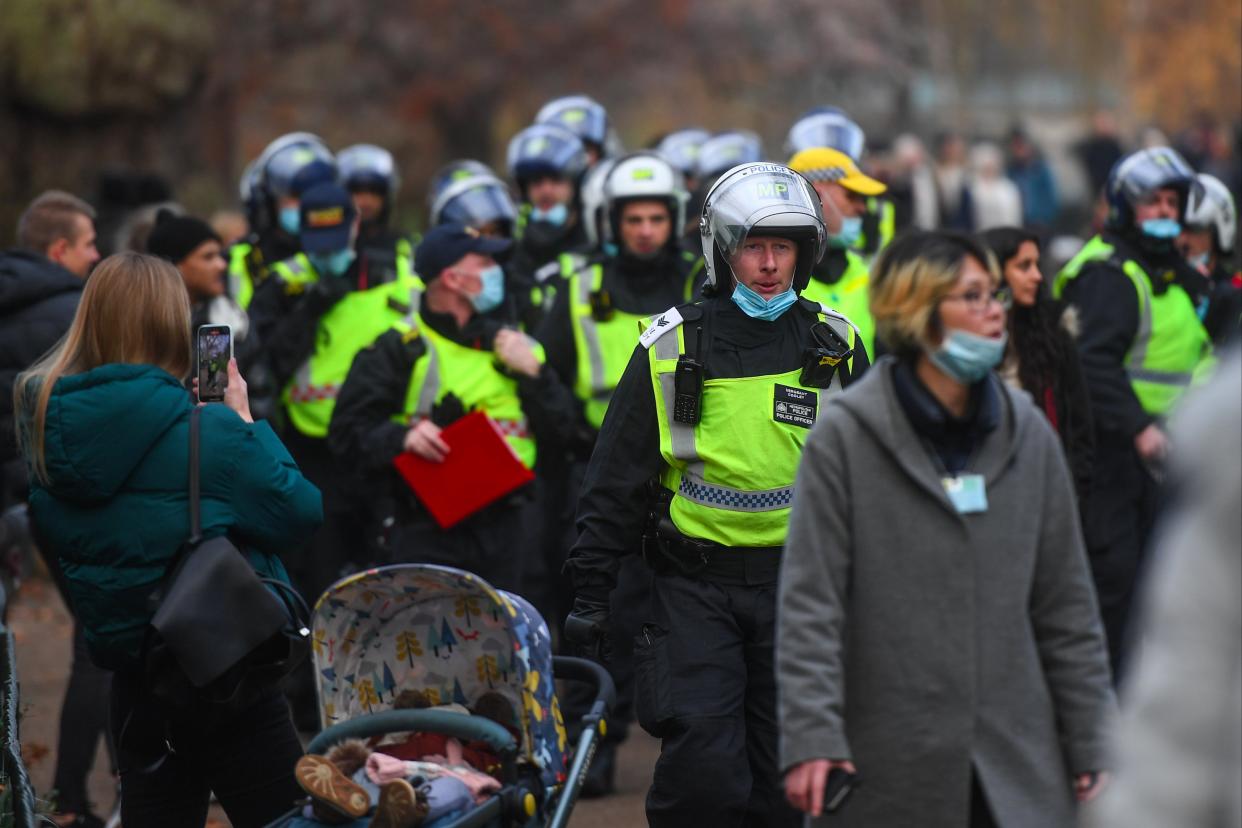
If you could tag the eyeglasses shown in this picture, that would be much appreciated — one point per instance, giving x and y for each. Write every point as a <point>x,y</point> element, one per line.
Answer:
<point>978,300</point>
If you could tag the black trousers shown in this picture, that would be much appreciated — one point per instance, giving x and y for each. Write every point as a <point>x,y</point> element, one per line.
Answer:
<point>246,757</point>
<point>83,722</point>
<point>706,686</point>
<point>1123,503</point>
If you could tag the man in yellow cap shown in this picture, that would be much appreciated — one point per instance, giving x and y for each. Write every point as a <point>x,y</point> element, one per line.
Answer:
<point>840,279</point>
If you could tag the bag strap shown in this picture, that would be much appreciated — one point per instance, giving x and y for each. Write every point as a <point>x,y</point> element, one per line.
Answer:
<point>196,523</point>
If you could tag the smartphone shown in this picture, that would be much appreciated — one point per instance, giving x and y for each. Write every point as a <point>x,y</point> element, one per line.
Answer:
<point>214,349</point>
<point>841,783</point>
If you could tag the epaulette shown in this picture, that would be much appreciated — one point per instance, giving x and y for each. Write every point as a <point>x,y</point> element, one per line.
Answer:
<point>669,321</point>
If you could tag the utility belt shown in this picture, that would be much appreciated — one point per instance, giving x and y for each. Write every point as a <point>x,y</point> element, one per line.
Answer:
<point>668,552</point>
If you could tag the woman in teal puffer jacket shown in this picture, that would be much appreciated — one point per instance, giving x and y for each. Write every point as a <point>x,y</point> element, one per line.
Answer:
<point>104,429</point>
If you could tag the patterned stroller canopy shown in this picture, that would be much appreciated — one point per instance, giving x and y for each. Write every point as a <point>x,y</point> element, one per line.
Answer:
<point>444,632</point>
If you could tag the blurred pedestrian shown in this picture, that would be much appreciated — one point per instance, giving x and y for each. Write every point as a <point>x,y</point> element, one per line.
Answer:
<point>913,185</point>
<point>1180,744</point>
<point>1208,242</point>
<point>992,200</point>
<point>938,632</point>
<point>1099,150</point>
<point>1141,346</point>
<point>952,180</point>
<point>1029,171</point>
<point>40,284</point>
<point>104,432</point>
<point>1042,357</point>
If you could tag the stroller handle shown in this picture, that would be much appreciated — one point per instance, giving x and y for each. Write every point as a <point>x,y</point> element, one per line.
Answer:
<point>458,725</point>
<point>584,670</point>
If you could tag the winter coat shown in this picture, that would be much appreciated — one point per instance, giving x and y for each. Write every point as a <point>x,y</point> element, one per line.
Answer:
<point>115,509</point>
<point>927,646</point>
<point>37,302</point>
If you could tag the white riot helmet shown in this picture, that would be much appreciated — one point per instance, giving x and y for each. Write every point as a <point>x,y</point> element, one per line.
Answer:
<point>1211,205</point>
<point>761,199</point>
<point>645,176</point>
<point>594,210</point>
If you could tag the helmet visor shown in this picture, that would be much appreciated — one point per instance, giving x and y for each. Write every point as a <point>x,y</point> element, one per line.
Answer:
<point>479,205</point>
<point>761,197</point>
<point>827,130</point>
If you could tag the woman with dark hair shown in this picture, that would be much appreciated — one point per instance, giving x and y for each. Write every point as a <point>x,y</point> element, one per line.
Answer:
<point>1042,359</point>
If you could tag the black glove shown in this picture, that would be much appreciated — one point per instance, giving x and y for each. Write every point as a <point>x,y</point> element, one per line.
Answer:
<point>448,410</point>
<point>323,295</point>
<point>587,628</point>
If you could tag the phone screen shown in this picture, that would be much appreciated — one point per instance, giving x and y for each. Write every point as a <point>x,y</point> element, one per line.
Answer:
<point>215,349</point>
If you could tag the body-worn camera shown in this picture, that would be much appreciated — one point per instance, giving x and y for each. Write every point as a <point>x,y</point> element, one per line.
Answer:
<point>827,354</point>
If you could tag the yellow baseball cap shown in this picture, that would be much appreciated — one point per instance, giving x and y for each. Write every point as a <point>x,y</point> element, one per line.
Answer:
<point>824,164</point>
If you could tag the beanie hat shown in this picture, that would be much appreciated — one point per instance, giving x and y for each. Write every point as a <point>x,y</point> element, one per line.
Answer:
<point>175,237</point>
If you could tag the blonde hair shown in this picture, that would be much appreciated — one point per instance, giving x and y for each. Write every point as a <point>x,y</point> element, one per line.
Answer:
<point>911,277</point>
<point>134,310</point>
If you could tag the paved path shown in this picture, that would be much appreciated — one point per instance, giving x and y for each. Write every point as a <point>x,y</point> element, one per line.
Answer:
<point>42,628</point>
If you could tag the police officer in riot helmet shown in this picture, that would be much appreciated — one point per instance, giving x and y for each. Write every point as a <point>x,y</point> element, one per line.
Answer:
<point>589,334</point>
<point>1142,344</point>
<point>829,127</point>
<point>370,175</point>
<point>715,155</point>
<point>715,403</point>
<point>586,118</point>
<point>547,162</point>
<point>468,192</point>
<point>272,189</point>
<point>681,149</point>
<point>1208,242</point>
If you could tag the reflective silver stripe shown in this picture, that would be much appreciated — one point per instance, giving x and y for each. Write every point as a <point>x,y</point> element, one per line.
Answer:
<point>695,488</point>
<point>667,346</point>
<point>590,332</point>
<point>1142,338</point>
<point>681,435</point>
<point>1180,378</point>
<point>431,383</point>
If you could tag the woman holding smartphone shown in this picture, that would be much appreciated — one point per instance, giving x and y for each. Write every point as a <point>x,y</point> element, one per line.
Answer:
<point>938,632</point>
<point>103,424</point>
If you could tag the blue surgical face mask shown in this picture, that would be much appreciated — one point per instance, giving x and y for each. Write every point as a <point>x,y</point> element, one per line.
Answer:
<point>493,291</point>
<point>1162,228</point>
<point>556,215</point>
<point>968,357</point>
<point>332,264</point>
<point>1202,262</point>
<point>851,229</point>
<point>756,307</point>
<point>290,220</point>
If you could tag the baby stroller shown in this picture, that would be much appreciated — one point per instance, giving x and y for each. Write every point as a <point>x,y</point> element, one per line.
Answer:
<point>450,636</point>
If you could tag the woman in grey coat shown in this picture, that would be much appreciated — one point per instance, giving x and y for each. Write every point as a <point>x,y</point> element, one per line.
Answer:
<point>938,630</point>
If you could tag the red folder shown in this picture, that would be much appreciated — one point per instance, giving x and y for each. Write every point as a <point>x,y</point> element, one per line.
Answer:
<point>481,467</point>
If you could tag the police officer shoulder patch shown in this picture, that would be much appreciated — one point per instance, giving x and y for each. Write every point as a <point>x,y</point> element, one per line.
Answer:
<point>662,324</point>
<point>794,406</point>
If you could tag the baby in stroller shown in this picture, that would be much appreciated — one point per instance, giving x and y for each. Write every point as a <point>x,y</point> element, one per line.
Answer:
<point>411,779</point>
<point>438,698</point>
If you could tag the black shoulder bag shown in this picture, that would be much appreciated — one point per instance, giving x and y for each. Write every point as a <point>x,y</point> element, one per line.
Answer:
<point>220,633</point>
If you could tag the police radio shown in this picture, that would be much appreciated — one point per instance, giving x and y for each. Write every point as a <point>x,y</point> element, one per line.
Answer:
<point>688,385</point>
<point>827,353</point>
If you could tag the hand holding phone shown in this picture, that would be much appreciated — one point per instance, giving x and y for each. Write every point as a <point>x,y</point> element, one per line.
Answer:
<point>820,785</point>
<point>213,350</point>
